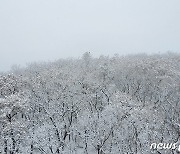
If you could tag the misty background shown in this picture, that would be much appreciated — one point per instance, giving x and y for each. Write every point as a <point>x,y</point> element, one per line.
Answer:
<point>42,30</point>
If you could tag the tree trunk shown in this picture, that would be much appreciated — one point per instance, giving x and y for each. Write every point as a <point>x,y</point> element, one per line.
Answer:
<point>5,146</point>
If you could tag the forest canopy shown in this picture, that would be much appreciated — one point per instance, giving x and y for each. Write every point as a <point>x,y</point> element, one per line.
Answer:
<point>104,105</point>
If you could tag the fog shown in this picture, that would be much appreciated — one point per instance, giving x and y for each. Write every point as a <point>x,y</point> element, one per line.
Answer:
<point>42,30</point>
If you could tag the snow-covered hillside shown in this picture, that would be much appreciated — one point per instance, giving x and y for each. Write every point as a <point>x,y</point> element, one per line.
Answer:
<point>117,105</point>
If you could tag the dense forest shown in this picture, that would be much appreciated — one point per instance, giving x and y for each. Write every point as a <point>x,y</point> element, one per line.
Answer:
<point>104,105</point>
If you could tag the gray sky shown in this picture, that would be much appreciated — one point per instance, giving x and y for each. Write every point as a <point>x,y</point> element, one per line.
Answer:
<point>42,30</point>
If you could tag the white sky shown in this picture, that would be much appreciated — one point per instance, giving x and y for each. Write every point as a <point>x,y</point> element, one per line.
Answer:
<point>42,30</point>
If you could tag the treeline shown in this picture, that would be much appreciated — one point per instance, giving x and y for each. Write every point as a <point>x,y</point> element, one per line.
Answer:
<point>105,105</point>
